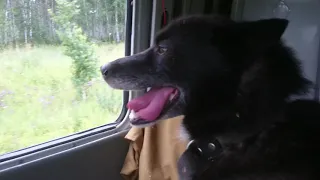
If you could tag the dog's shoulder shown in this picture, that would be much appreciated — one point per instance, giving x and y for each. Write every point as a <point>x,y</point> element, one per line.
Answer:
<point>285,150</point>
<point>304,111</point>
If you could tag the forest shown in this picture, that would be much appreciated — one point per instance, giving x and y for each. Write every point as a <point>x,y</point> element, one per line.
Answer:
<point>50,54</point>
<point>29,22</point>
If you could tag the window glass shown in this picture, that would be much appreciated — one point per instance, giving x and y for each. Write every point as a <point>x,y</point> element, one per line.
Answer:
<point>50,55</point>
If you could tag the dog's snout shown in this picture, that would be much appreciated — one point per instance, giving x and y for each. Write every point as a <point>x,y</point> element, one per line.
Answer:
<point>105,69</point>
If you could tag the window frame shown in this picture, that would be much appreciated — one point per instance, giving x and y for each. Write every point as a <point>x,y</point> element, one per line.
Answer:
<point>69,141</point>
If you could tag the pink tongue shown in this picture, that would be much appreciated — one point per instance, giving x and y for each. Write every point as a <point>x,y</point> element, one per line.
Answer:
<point>150,105</point>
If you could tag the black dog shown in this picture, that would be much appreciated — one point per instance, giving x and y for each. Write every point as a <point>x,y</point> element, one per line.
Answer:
<point>232,81</point>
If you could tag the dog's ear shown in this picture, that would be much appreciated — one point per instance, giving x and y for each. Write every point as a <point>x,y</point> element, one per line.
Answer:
<point>251,35</point>
<point>267,31</point>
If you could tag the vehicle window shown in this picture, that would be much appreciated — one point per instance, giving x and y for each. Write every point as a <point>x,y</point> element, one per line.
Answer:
<point>50,55</point>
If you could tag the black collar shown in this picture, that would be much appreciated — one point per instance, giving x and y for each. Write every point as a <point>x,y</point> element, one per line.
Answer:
<point>198,157</point>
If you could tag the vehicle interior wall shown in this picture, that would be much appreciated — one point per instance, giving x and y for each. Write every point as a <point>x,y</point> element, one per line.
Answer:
<point>99,160</point>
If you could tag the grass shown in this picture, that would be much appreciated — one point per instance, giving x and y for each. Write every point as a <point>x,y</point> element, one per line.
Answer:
<point>37,98</point>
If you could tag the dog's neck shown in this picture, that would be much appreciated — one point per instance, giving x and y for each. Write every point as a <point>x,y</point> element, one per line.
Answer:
<point>227,138</point>
<point>237,110</point>
<point>246,120</point>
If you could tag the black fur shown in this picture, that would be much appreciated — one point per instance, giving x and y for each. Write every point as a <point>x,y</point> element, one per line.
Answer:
<point>235,80</point>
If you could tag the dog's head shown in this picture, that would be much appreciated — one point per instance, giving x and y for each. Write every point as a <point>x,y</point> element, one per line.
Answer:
<point>196,54</point>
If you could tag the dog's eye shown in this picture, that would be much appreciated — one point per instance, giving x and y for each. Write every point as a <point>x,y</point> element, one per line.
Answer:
<point>162,50</point>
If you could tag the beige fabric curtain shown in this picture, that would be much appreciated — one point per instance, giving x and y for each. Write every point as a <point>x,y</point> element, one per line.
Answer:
<point>154,151</point>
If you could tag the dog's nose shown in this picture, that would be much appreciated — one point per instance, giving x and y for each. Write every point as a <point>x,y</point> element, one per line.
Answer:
<point>104,69</point>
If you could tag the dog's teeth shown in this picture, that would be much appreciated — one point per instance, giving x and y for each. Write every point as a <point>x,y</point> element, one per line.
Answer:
<point>133,115</point>
<point>148,89</point>
<point>171,97</point>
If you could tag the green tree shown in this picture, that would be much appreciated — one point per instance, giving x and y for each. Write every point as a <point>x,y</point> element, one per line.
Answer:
<point>25,22</point>
<point>76,44</point>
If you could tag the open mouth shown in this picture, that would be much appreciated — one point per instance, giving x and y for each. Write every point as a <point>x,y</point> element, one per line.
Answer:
<point>147,108</point>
